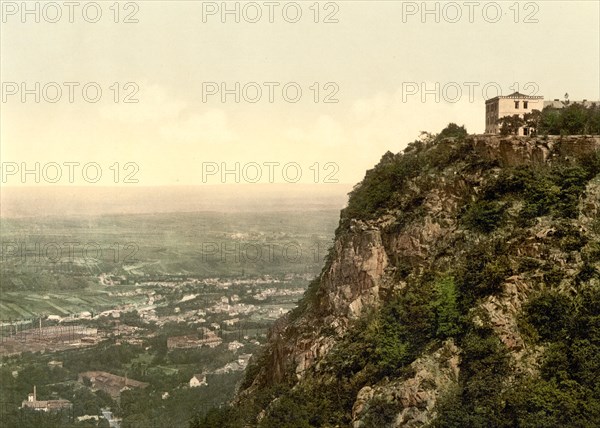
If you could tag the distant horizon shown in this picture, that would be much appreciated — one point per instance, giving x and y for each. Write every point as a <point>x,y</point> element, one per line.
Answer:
<point>49,201</point>
<point>142,186</point>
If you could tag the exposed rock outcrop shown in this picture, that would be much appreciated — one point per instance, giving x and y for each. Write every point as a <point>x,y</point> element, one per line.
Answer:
<point>415,397</point>
<point>368,257</point>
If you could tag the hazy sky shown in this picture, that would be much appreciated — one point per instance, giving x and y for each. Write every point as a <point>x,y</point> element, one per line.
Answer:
<point>367,61</point>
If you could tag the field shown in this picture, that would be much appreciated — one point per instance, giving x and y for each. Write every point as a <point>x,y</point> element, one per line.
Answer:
<point>61,266</point>
<point>16,304</point>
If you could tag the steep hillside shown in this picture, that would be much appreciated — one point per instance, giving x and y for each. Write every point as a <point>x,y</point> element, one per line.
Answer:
<point>463,290</point>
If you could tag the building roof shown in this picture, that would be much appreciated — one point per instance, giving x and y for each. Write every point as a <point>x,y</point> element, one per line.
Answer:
<point>193,341</point>
<point>105,380</point>
<point>516,95</point>
<point>47,404</point>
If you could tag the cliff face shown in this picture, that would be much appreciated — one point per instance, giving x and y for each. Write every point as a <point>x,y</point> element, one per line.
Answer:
<point>351,284</point>
<point>455,208</point>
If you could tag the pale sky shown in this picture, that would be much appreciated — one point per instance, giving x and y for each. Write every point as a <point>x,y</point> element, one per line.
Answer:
<point>369,58</point>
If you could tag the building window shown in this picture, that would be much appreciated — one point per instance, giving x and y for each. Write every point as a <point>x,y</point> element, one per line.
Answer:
<point>516,104</point>
<point>525,104</point>
<point>525,131</point>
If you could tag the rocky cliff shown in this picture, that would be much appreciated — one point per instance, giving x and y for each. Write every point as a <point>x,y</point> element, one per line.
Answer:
<point>427,311</point>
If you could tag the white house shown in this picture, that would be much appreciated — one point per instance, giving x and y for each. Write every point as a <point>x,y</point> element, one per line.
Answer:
<point>234,346</point>
<point>509,105</point>
<point>198,380</point>
<point>517,103</point>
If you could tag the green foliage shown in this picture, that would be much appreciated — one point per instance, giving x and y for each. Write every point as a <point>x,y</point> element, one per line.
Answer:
<point>375,192</point>
<point>509,125</point>
<point>297,409</point>
<point>381,343</point>
<point>405,326</point>
<point>552,191</point>
<point>448,315</point>
<point>485,268</point>
<point>310,296</point>
<point>532,120</point>
<point>570,237</point>
<point>572,181</point>
<point>590,163</point>
<point>533,186</point>
<point>215,417</point>
<point>587,272</point>
<point>540,403</point>
<point>387,181</point>
<point>549,314</point>
<point>573,119</point>
<point>484,216</point>
<point>527,264</point>
<point>380,413</point>
<point>554,276</point>
<point>478,400</point>
<point>566,393</point>
<point>452,131</point>
<point>286,408</point>
<point>354,352</point>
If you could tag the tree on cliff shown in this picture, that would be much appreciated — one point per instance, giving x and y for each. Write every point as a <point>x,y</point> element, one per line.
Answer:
<point>509,125</point>
<point>574,119</point>
<point>452,131</point>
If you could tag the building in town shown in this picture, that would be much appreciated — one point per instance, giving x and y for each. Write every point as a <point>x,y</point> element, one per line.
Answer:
<point>198,380</point>
<point>45,405</point>
<point>112,384</point>
<point>209,338</point>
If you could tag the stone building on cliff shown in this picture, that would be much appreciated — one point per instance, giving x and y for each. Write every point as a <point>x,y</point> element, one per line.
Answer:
<point>515,103</point>
<point>520,104</point>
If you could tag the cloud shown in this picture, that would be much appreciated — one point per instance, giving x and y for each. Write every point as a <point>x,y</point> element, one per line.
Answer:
<point>361,132</point>
<point>326,132</point>
<point>394,120</point>
<point>365,108</point>
<point>155,104</point>
<point>208,127</point>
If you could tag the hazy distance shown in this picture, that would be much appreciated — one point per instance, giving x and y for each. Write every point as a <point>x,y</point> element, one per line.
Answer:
<point>86,201</point>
